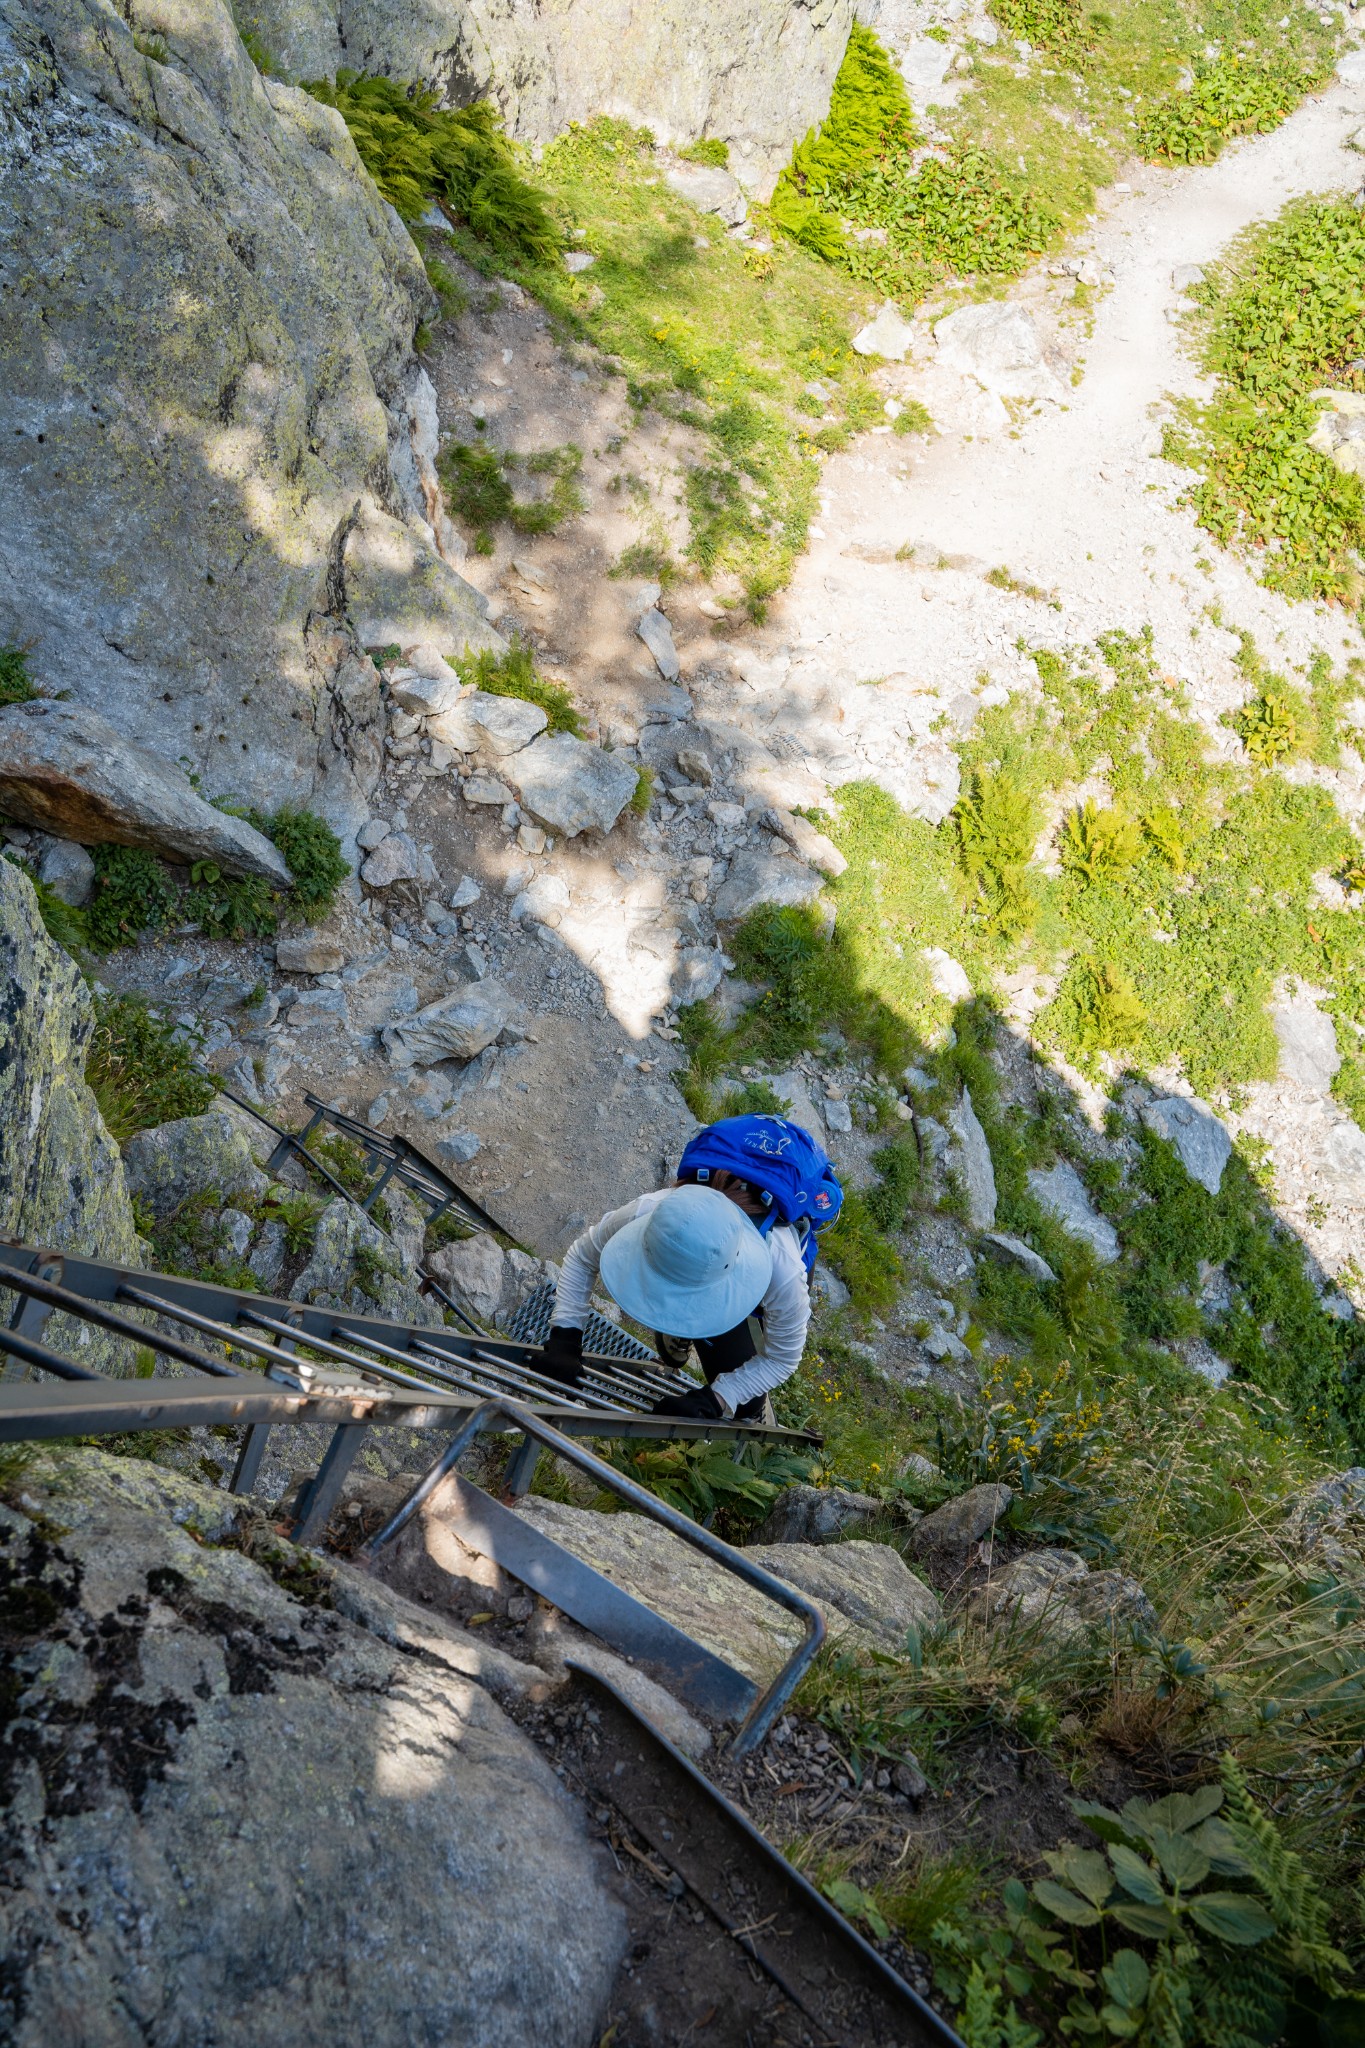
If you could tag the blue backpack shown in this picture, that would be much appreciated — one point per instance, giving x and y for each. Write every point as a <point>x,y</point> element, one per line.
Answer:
<point>777,1157</point>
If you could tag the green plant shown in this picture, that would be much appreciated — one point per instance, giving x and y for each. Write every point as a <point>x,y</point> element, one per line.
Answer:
<point>1284,318</point>
<point>297,1215</point>
<point>997,824</point>
<point>16,684</point>
<point>710,149</point>
<point>313,852</point>
<point>476,478</point>
<point>452,295</point>
<point>131,894</point>
<point>913,418</point>
<point>1268,728</point>
<point>1097,842</point>
<point>1233,94</point>
<point>704,1479</point>
<point>513,674</point>
<point>228,906</point>
<point>154,47</point>
<point>643,793</point>
<point>416,150</point>
<point>1064,28</point>
<point>1231,1925</point>
<point>141,1068</point>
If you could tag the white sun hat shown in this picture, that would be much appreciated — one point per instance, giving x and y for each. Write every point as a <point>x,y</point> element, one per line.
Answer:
<point>692,1266</point>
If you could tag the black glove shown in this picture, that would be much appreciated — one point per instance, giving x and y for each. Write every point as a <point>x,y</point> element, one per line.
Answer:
<point>698,1404</point>
<point>561,1357</point>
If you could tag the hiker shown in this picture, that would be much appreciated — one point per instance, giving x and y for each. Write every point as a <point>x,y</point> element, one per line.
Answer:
<point>720,1261</point>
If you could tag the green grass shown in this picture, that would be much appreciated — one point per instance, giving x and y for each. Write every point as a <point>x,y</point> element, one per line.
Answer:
<point>16,684</point>
<point>720,338</point>
<point>141,1068</point>
<point>478,483</point>
<point>1283,318</point>
<point>514,674</point>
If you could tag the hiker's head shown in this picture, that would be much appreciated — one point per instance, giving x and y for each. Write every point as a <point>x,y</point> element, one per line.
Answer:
<point>693,1264</point>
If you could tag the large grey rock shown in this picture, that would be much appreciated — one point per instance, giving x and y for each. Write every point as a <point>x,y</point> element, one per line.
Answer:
<point>67,870</point>
<point>758,878</point>
<point>1012,1251</point>
<point>657,635</point>
<point>1341,1155</point>
<point>474,1271</point>
<point>479,722</point>
<point>459,1025</point>
<point>183,550</point>
<point>961,1522</point>
<point>1201,1141</point>
<point>570,785</point>
<point>61,1177</point>
<point>710,189</point>
<point>309,953</point>
<point>268,1821</point>
<point>969,1157</point>
<point>866,1591</point>
<point>816,1514</point>
<point>757,74</point>
<point>395,859</point>
<point>1063,1194</point>
<point>66,770</point>
<point>997,343</point>
<point>890,335</point>
<point>1308,1044</point>
<point>195,1155</point>
<point>1052,1591</point>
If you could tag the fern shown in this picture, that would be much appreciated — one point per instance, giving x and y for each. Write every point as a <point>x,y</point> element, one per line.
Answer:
<point>1299,1908</point>
<point>416,150</point>
<point>1096,842</point>
<point>1243,2000</point>
<point>1170,1998</point>
<point>997,824</point>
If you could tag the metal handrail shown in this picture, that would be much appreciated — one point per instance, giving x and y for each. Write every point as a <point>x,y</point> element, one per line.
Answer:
<point>770,1703</point>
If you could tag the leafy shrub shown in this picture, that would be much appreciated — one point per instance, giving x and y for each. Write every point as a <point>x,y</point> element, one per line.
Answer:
<point>1232,1927</point>
<point>1268,728</point>
<point>1064,28</point>
<point>68,927</point>
<point>313,852</point>
<point>704,1480</point>
<point>479,489</point>
<point>131,893</point>
<point>963,212</point>
<point>141,1068</point>
<point>16,684</point>
<point>514,675</point>
<point>1234,94</point>
<point>416,150</point>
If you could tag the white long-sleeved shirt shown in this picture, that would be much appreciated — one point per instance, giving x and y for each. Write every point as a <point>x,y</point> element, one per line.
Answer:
<point>780,1335</point>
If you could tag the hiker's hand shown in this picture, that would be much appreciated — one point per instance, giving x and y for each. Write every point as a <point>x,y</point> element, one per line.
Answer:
<point>561,1357</point>
<point>699,1404</point>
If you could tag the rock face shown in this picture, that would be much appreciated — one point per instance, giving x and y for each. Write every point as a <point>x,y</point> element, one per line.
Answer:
<point>66,770</point>
<point>61,1178</point>
<point>1053,1591</point>
<point>757,75</point>
<point>208,1770</point>
<point>197,214</point>
<point>710,189</point>
<point>757,878</point>
<point>969,1156</point>
<point>816,1514</point>
<point>355,1266</point>
<point>1201,1141</point>
<point>194,1155</point>
<point>866,1590</point>
<point>1063,1194</point>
